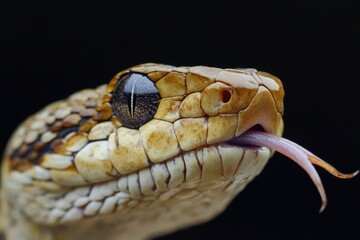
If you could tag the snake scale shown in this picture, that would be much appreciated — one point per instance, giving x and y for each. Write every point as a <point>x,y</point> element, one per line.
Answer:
<point>157,149</point>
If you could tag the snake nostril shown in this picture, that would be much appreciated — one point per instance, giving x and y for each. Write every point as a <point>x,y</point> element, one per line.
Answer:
<point>226,95</point>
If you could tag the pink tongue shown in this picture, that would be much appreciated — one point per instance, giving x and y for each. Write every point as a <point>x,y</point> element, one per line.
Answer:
<point>295,152</point>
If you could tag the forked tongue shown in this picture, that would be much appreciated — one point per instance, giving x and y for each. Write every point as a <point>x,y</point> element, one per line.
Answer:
<point>295,152</point>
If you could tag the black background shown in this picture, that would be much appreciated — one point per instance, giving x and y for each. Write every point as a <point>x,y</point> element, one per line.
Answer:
<point>50,51</point>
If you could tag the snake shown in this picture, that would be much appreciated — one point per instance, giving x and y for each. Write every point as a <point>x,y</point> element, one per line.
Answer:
<point>157,149</point>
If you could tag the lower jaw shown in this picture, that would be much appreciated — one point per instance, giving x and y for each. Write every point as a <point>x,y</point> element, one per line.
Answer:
<point>189,189</point>
<point>219,171</point>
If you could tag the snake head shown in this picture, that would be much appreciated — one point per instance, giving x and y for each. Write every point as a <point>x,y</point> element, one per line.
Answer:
<point>196,107</point>
<point>160,146</point>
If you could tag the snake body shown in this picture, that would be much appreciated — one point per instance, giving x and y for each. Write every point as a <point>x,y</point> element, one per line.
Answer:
<point>104,165</point>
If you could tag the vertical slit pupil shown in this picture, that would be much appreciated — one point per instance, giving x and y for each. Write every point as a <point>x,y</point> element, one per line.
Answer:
<point>128,98</point>
<point>132,97</point>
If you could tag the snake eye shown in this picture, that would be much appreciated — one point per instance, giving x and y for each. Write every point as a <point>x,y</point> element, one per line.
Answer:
<point>135,100</point>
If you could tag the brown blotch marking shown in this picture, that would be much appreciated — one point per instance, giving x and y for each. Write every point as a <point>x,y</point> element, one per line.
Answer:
<point>88,112</point>
<point>20,164</point>
<point>59,147</point>
<point>23,150</point>
<point>33,155</point>
<point>86,127</point>
<point>56,126</point>
<point>71,120</point>
<point>39,145</point>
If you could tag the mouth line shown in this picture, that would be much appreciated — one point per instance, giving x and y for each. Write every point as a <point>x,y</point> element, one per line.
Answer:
<point>240,142</point>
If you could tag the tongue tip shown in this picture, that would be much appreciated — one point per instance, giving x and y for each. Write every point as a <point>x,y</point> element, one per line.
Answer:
<point>333,171</point>
<point>347,175</point>
<point>354,174</point>
<point>323,206</point>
